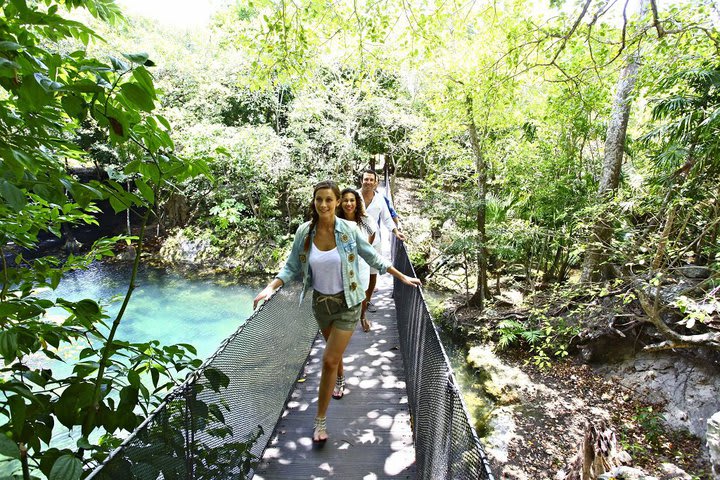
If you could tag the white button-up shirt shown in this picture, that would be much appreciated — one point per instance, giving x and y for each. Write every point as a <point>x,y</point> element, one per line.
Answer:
<point>379,213</point>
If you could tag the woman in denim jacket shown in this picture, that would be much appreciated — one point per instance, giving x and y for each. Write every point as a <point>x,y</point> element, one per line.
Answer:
<point>325,252</point>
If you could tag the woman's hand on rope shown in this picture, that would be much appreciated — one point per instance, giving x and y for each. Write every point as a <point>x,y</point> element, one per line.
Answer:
<point>267,292</point>
<point>413,282</point>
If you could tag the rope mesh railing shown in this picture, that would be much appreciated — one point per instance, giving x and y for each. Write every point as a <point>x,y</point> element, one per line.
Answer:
<point>446,444</point>
<point>229,406</point>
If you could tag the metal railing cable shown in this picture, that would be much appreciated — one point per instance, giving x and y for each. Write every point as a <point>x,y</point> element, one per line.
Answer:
<point>223,415</point>
<point>214,424</point>
<point>446,443</point>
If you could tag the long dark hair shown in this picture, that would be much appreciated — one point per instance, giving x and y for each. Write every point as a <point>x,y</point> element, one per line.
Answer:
<point>314,217</point>
<point>359,205</point>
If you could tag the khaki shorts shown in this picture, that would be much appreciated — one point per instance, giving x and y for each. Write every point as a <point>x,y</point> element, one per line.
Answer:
<point>332,310</point>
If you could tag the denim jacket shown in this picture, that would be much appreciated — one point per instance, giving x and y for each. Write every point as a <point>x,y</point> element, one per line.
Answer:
<point>350,243</point>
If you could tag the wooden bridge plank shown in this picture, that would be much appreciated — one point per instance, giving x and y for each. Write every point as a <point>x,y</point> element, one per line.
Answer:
<point>369,428</point>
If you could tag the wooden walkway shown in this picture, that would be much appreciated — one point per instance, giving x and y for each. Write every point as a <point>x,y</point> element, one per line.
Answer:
<point>369,428</point>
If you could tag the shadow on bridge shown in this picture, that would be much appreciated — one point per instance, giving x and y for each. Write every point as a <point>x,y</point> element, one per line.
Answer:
<point>254,398</point>
<point>369,428</point>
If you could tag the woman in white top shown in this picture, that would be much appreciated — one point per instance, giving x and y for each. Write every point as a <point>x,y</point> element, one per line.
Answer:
<point>352,208</point>
<point>325,254</point>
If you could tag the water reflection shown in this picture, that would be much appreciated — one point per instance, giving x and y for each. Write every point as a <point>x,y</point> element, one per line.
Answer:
<point>165,306</point>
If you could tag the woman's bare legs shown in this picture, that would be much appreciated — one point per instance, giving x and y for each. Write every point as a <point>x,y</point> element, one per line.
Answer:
<point>368,295</point>
<point>337,341</point>
<point>371,287</point>
<point>326,335</point>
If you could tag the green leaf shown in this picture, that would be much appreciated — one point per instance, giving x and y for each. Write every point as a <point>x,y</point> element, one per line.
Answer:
<point>216,378</point>
<point>7,68</point>
<point>74,106</point>
<point>118,65</point>
<point>32,96</point>
<point>46,83</point>
<point>189,348</point>
<point>84,443</point>
<point>18,413</point>
<point>137,96</point>
<point>144,80</point>
<point>73,401</point>
<point>134,378</point>
<point>140,58</point>
<point>10,46</point>
<point>14,197</point>
<point>146,191</point>
<point>67,467</point>
<point>84,86</point>
<point>216,412</point>
<point>8,345</point>
<point>7,469</point>
<point>8,448</point>
<point>87,308</point>
<point>116,204</point>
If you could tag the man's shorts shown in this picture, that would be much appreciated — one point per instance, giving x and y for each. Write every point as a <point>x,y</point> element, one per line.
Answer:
<point>332,310</point>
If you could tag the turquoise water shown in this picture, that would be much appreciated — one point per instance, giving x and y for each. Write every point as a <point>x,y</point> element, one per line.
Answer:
<point>165,306</point>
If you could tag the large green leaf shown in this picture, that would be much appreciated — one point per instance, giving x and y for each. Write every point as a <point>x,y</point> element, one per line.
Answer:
<point>216,378</point>
<point>32,96</point>
<point>74,106</point>
<point>10,46</point>
<point>13,196</point>
<point>140,58</point>
<point>73,401</point>
<point>119,65</point>
<point>8,468</point>
<point>145,190</point>
<point>66,467</point>
<point>8,68</point>
<point>8,448</point>
<point>144,80</point>
<point>138,96</point>
<point>8,345</point>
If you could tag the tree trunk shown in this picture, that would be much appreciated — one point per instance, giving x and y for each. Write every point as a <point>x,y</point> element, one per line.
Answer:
<point>481,291</point>
<point>127,213</point>
<point>595,267</point>
<point>598,453</point>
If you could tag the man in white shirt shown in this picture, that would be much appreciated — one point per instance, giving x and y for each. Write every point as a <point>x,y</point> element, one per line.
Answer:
<point>377,209</point>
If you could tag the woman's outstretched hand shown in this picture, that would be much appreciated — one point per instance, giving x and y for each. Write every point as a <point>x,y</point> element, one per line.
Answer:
<point>262,296</point>
<point>413,282</point>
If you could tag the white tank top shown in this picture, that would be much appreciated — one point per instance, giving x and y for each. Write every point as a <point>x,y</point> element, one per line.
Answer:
<point>326,270</point>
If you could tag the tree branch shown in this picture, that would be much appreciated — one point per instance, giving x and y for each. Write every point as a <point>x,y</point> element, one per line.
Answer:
<point>674,339</point>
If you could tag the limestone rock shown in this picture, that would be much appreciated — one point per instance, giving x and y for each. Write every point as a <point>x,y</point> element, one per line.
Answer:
<point>689,387</point>
<point>713,443</point>
<point>693,271</point>
<point>505,383</point>
<point>673,472</point>
<point>626,473</point>
<point>128,254</point>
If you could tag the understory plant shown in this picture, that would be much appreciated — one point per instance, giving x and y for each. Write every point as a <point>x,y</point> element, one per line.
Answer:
<point>45,96</point>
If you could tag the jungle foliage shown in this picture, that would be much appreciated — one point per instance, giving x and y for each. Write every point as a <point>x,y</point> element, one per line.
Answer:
<point>502,110</point>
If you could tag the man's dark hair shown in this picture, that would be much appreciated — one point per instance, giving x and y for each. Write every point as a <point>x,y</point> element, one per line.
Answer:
<point>369,170</point>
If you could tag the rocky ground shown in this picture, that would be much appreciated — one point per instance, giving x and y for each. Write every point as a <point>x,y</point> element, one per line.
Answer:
<point>538,414</point>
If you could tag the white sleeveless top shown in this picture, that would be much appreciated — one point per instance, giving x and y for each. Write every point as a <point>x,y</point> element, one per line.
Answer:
<point>326,270</point>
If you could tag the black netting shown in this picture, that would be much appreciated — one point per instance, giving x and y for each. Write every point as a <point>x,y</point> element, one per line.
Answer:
<point>229,406</point>
<point>446,444</point>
